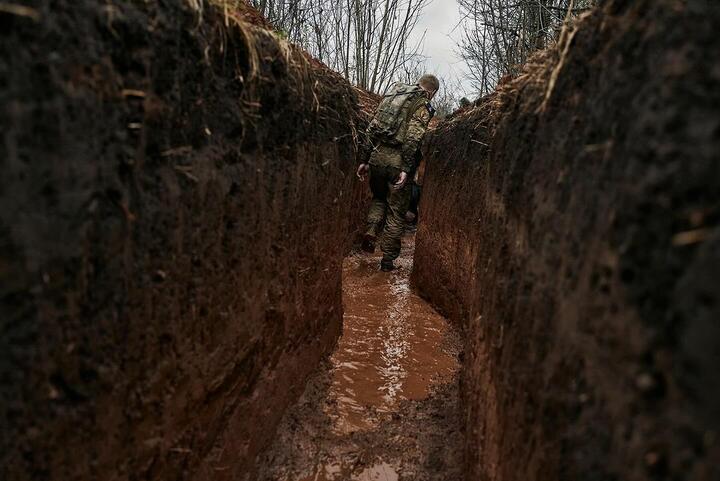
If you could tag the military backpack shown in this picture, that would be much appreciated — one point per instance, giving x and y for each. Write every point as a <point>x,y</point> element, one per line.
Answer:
<point>389,124</point>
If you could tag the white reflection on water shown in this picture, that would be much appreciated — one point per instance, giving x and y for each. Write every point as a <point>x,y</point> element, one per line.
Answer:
<point>395,345</point>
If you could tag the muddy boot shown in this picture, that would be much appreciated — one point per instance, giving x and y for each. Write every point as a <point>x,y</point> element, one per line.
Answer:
<point>410,221</point>
<point>386,265</point>
<point>368,243</point>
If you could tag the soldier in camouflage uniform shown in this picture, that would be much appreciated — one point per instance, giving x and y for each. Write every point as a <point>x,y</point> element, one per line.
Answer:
<point>392,164</point>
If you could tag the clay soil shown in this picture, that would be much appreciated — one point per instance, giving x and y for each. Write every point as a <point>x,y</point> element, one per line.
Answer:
<point>570,227</point>
<point>385,406</point>
<point>177,199</point>
<point>175,208</point>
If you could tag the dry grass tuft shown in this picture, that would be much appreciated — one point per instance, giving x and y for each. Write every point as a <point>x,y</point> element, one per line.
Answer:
<point>20,11</point>
<point>310,82</point>
<point>241,10</point>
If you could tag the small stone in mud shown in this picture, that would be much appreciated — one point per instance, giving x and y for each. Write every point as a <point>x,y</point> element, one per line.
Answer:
<point>650,384</point>
<point>656,463</point>
<point>159,276</point>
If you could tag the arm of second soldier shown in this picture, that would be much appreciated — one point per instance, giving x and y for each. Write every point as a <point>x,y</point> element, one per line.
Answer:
<point>415,132</point>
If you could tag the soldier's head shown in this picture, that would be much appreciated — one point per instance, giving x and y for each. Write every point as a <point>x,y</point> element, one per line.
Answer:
<point>430,84</point>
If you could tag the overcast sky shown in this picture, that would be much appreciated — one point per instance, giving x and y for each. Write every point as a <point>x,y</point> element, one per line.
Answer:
<point>438,23</point>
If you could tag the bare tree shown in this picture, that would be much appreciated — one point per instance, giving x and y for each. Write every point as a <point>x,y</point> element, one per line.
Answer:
<point>366,40</point>
<point>500,35</point>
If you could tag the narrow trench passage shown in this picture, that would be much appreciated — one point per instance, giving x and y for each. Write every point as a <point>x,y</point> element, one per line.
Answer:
<point>384,407</point>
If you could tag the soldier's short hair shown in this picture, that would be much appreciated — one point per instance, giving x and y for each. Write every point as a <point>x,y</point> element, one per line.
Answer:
<point>429,82</point>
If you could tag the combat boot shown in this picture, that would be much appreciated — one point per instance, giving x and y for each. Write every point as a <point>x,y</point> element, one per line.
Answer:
<point>386,265</point>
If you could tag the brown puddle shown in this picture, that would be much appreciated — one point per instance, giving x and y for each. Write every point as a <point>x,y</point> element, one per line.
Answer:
<point>392,349</point>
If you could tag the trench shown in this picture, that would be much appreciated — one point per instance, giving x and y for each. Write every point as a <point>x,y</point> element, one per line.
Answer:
<point>384,406</point>
<point>173,232</point>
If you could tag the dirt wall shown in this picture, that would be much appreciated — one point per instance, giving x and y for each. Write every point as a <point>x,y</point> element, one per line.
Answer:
<point>174,209</point>
<point>576,241</point>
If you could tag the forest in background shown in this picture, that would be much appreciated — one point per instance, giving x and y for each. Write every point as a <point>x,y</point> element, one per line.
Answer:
<point>369,41</point>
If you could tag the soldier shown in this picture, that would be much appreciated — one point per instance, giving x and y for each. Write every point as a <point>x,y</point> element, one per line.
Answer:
<point>394,136</point>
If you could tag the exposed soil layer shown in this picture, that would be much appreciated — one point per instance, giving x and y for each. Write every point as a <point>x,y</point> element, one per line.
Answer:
<point>175,206</point>
<point>576,242</point>
<point>385,406</point>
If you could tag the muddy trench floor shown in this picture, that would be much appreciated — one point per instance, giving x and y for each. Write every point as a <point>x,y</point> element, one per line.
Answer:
<point>385,405</point>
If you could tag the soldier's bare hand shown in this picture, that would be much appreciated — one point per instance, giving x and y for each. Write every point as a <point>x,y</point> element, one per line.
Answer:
<point>362,171</point>
<point>400,182</point>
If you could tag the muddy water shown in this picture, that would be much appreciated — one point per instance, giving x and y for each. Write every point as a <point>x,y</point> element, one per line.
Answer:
<point>393,349</point>
<point>384,407</point>
<point>392,344</point>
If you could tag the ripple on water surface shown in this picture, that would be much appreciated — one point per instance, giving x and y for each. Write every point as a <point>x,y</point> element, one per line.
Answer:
<point>392,345</point>
<point>392,349</point>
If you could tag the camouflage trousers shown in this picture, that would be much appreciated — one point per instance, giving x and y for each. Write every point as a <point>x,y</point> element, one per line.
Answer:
<point>388,208</point>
